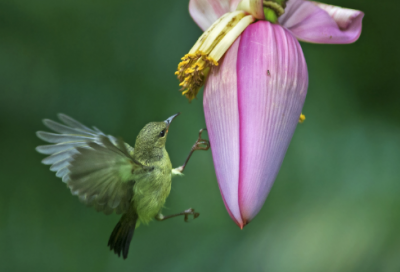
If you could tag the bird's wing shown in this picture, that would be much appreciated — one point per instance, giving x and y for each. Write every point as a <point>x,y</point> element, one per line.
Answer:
<point>99,168</point>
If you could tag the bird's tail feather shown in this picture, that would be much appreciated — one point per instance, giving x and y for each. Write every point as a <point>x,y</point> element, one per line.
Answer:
<point>121,236</point>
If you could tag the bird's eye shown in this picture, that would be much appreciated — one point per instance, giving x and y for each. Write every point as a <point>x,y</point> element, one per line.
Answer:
<point>162,133</point>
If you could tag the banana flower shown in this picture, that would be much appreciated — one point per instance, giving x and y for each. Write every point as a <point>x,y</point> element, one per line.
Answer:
<point>255,77</point>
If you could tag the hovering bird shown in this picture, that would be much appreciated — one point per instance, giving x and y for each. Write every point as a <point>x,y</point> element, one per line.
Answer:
<point>111,176</point>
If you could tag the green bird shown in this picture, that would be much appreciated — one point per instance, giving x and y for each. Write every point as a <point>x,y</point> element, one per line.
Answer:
<point>111,176</point>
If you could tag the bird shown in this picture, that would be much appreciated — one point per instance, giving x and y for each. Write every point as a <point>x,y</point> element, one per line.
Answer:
<point>111,176</point>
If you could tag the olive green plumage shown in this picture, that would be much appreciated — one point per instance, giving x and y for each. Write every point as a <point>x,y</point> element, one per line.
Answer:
<point>110,175</point>
<point>152,189</point>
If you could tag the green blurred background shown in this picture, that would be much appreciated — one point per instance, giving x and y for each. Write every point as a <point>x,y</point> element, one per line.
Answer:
<point>334,206</point>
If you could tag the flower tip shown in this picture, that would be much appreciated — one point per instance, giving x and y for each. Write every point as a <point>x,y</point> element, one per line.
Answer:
<point>239,224</point>
<point>243,224</point>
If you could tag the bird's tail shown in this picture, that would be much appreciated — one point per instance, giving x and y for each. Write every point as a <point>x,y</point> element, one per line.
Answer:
<point>121,236</point>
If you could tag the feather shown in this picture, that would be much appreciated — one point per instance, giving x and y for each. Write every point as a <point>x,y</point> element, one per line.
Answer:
<point>59,165</point>
<point>66,130</point>
<point>98,131</point>
<point>60,156</point>
<point>61,138</point>
<point>121,236</point>
<point>98,168</point>
<point>62,172</point>
<point>73,123</point>
<point>56,148</point>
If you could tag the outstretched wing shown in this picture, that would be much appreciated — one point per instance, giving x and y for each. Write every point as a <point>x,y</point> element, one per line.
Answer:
<point>98,168</point>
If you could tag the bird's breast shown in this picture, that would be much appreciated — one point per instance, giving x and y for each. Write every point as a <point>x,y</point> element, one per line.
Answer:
<point>151,191</point>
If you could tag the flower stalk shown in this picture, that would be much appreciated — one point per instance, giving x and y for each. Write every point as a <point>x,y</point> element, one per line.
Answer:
<point>273,9</point>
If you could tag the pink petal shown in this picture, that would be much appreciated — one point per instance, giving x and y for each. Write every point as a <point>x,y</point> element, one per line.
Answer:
<point>206,12</point>
<point>272,85</point>
<point>320,23</point>
<point>344,18</point>
<point>222,119</point>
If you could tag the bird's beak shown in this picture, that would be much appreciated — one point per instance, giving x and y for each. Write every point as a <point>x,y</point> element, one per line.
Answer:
<point>169,120</point>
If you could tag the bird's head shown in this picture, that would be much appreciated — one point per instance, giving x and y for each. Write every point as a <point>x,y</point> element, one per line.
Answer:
<point>154,134</point>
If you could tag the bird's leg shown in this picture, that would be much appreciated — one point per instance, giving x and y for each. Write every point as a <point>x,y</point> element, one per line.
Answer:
<point>186,213</point>
<point>200,144</point>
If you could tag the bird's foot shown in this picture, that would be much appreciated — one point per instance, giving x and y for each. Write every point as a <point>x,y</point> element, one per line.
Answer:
<point>185,213</point>
<point>201,144</point>
<point>190,212</point>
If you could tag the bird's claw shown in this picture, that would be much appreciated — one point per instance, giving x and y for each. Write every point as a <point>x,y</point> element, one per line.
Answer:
<point>201,144</point>
<point>190,212</point>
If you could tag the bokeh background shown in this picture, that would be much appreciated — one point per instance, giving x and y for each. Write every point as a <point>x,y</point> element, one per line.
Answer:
<point>335,205</point>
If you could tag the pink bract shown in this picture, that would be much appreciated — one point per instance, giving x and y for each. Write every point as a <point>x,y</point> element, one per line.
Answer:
<point>252,103</point>
<point>308,21</point>
<point>254,97</point>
